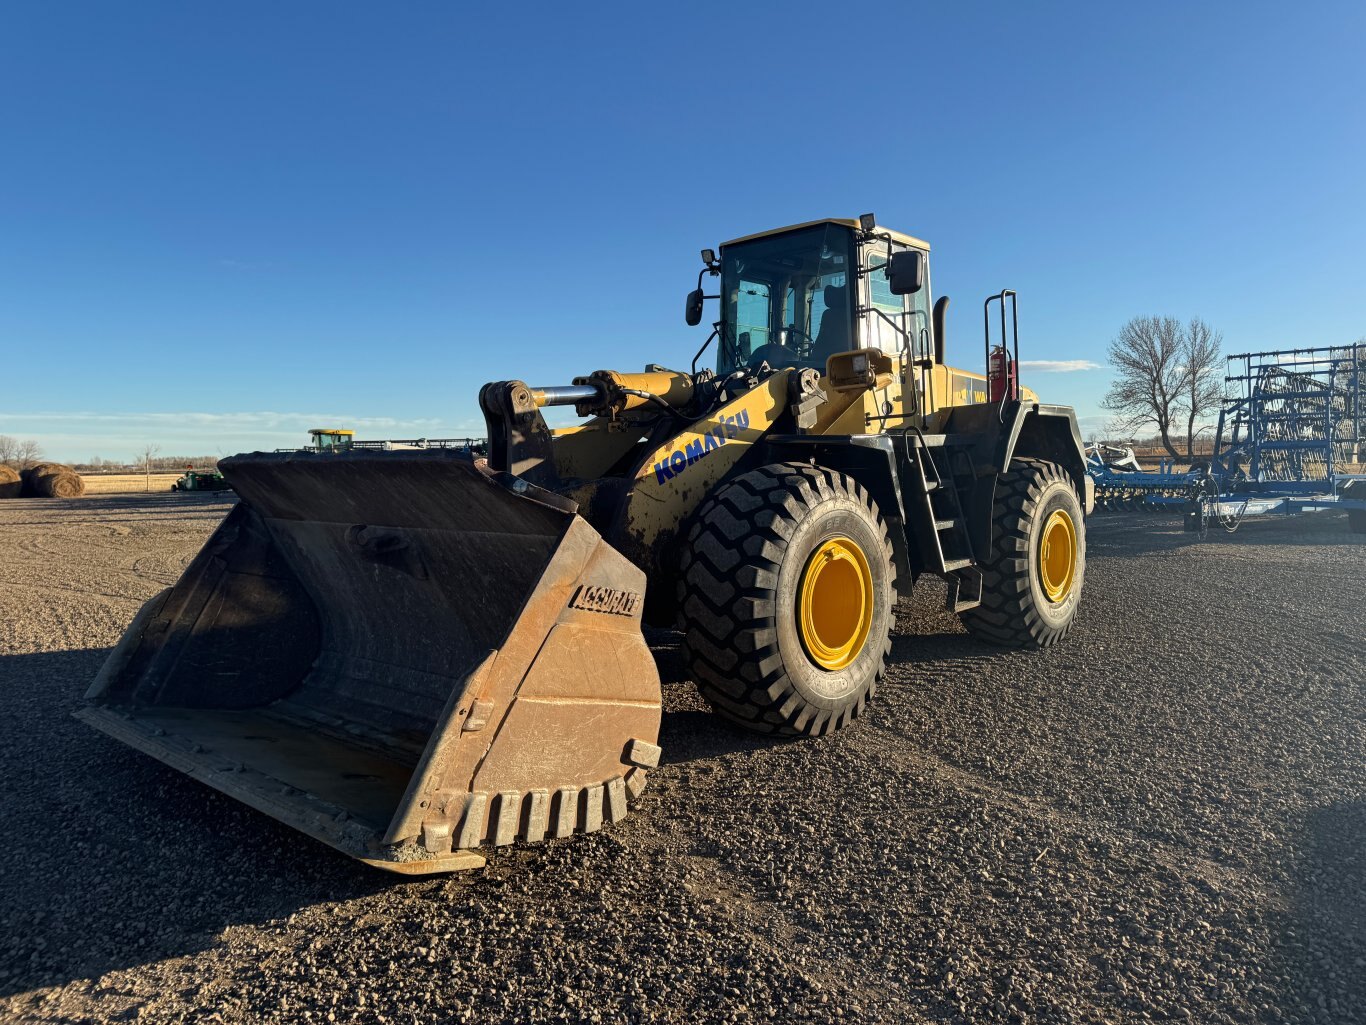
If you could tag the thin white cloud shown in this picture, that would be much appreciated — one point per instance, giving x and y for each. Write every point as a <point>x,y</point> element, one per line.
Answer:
<point>1058,366</point>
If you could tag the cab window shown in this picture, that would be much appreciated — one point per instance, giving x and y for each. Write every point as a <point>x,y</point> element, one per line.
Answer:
<point>892,322</point>
<point>786,299</point>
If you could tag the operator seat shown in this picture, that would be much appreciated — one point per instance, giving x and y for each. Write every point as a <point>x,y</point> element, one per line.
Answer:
<point>833,335</point>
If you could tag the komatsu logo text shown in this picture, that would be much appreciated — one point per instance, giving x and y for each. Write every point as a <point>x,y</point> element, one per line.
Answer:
<point>681,458</point>
<point>592,598</point>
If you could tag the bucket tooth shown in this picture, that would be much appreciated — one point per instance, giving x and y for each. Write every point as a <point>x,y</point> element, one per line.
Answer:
<point>436,837</point>
<point>592,808</point>
<point>566,811</point>
<point>509,816</point>
<point>472,822</point>
<point>642,753</point>
<point>616,799</point>
<point>537,815</point>
<point>635,783</point>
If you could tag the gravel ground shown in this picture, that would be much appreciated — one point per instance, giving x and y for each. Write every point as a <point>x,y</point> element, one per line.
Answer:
<point>1164,819</point>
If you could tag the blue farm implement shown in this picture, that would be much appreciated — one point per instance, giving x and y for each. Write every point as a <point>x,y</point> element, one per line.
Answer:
<point>1291,438</point>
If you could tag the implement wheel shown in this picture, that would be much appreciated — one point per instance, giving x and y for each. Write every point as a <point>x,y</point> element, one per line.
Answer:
<point>1032,581</point>
<point>786,598</point>
<point>1356,518</point>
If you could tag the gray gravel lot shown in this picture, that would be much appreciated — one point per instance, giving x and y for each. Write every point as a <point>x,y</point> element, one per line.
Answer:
<point>1163,819</point>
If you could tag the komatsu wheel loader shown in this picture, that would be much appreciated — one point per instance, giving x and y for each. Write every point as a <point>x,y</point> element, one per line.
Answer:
<point>414,654</point>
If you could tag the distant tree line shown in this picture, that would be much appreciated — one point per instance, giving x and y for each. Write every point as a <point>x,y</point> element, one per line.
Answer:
<point>140,463</point>
<point>1201,445</point>
<point>19,453</point>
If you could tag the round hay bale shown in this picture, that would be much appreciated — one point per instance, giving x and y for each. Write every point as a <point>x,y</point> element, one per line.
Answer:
<point>40,468</point>
<point>60,483</point>
<point>29,475</point>
<point>11,484</point>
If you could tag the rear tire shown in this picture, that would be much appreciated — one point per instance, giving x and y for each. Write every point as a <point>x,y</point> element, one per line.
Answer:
<point>786,598</point>
<point>1029,601</point>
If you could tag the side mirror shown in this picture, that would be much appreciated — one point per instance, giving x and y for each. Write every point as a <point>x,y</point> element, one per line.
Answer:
<point>693,315</point>
<point>906,272</point>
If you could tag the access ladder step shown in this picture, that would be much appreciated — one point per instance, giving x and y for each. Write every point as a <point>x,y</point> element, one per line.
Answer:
<point>953,565</point>
<point>942,525</point>
<point>956,600</point>
<point>965,604</point>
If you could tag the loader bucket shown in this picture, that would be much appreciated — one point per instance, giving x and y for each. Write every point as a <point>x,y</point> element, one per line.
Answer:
<point>403,654</point>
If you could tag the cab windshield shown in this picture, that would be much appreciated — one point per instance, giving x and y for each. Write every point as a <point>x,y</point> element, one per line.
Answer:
<point>328,441</point>
<point>785,299</point>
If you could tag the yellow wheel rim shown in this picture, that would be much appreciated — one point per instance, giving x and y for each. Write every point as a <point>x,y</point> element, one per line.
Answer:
<point>835,610</point>
<point>1058,555</point>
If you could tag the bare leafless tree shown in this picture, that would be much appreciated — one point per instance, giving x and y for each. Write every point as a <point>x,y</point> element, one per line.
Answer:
<point>26,453</point>
<point>19,453</point>
<point>1150,376</point>
<point>1202,358</point>
<point>146,458</point>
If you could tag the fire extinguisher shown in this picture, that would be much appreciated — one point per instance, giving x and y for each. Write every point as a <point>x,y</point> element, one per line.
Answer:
<point>1002,382</point>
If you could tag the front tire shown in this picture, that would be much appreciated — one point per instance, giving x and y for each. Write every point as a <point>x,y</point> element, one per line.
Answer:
<point>786,599</point>
<point>1032,581</point>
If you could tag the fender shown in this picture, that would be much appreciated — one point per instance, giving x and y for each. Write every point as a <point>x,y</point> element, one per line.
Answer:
<point>1001,433</point>
<point>871,459</point>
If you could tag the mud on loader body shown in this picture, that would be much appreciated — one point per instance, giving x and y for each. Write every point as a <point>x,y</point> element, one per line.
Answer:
<point>410,655</point>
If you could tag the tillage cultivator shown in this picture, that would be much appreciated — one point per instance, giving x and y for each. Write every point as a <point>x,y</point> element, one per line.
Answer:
<point>1291,438</point>
<point>1122,484</point>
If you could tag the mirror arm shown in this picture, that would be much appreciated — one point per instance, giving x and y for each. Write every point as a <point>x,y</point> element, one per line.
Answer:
<point>901,331</point>
<point>715,330</point>
<point>866,236</point>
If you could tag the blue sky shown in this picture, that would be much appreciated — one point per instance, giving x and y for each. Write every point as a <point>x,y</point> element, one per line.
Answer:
<point>222,224</point>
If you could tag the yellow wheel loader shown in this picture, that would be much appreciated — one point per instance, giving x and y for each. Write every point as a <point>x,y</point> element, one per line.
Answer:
<point>414,654</point>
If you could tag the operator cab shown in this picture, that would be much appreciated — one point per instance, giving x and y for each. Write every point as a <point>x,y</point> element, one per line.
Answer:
<point>796,296</point>
<point>331,439</point>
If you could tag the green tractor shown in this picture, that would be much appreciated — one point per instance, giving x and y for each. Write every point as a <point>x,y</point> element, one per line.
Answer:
<point>201,480</point>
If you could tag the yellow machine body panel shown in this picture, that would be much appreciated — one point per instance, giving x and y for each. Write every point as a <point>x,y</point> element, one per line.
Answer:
<point>677,475</point>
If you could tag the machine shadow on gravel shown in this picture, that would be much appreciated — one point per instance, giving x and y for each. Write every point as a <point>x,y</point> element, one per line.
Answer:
<point>136,508</point>
<point>114,860</point>
<point>1135,533</point>
<point>942,648</point>
<point>155,504</point>
<point>1326,951</point>
<point>694,733</point>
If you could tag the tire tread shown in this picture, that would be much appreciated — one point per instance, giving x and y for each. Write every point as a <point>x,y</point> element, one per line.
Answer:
<point>726,591</point>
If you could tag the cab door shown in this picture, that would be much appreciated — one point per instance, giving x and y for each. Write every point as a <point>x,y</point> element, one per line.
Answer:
<point>899,325</point>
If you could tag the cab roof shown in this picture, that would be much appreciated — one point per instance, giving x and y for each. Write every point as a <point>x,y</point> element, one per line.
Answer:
<point>329,430</point>
<point>897,236</point>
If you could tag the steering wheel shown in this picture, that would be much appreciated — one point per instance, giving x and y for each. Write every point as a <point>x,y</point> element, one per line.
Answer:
<point>799,341</point>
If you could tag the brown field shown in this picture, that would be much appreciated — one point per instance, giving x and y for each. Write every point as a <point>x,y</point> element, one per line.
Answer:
<point>127,483</point>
